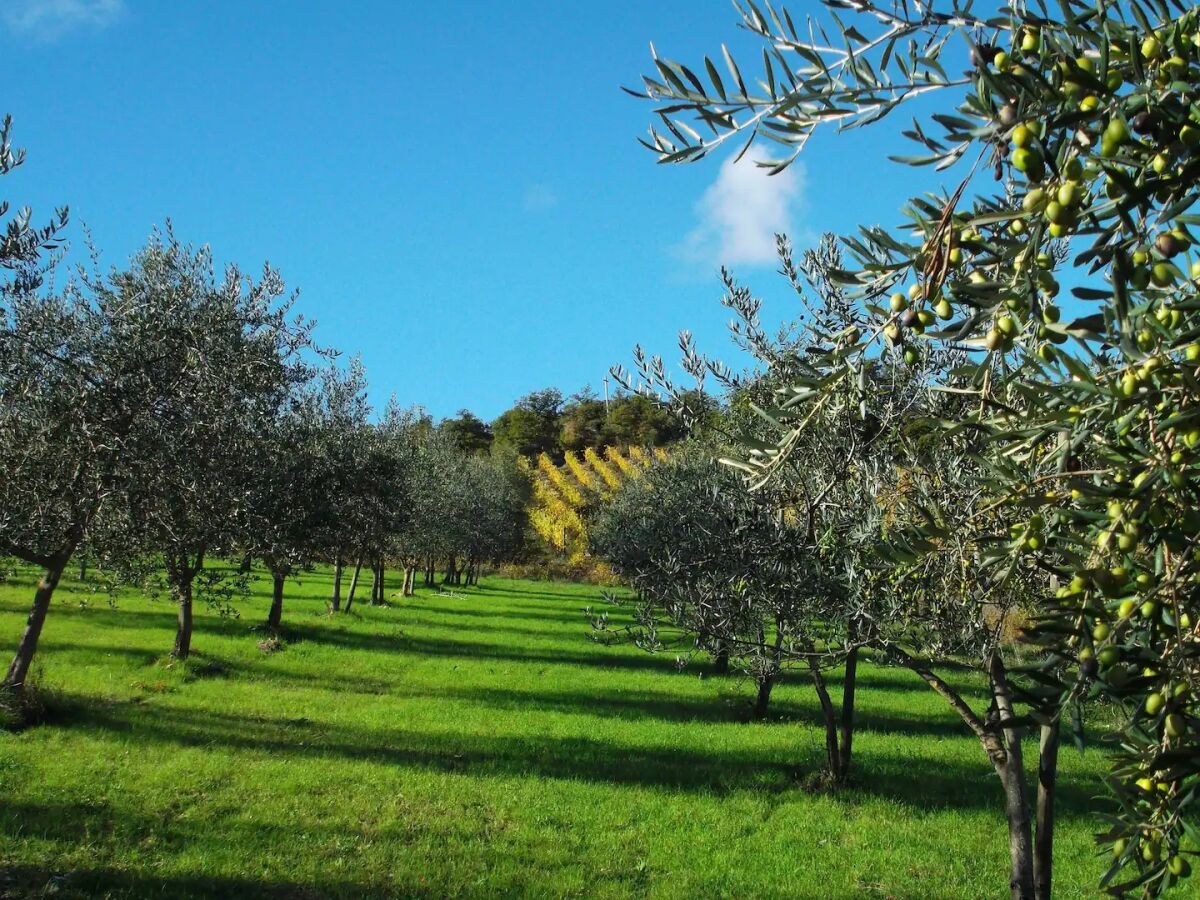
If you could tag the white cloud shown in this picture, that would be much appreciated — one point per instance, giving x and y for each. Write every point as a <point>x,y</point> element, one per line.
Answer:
<point>48,19</point>
<point>740,213</point>
<point>539,197</point>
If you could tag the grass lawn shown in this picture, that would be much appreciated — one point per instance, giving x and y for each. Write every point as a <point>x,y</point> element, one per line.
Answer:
<point>475,745</point>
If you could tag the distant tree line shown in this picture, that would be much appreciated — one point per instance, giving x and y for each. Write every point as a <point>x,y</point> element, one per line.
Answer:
<point>545,421</point>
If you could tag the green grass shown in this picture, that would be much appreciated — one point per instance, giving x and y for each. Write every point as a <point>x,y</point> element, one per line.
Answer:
<point>475,745</point>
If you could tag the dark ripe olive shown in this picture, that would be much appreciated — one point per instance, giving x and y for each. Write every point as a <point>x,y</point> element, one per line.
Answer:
<point>909,318</point>
<point>1007,115</point>
<point>1143,123</point>
<point>1089,667</point>
<point>1168,245</point>
<point>982,55</point>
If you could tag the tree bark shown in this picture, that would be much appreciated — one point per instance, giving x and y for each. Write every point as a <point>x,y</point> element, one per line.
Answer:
<point>18,670</point>
<point>848,686</point>
<point>1016,794</point>
<point>833,756</point>
<point>375,582</point>
<point>763,699</point>
<point>183,634</point>
<point>275,616</point>
<point>451,570</point>
<point>410,577</point>
<point>354,582</point>
<point>1043,849</point>
<point>83,567</point>
<point>338,565</point>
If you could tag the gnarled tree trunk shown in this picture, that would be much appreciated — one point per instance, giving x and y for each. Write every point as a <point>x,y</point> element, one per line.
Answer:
<point>18,670</point>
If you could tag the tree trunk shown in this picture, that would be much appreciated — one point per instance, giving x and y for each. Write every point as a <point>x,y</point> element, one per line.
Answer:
<point>765,683</point>
<point>83,567</point>
<point>183,634</point>
<point>18,671</point>
<point>1004,752</point>
<point>1043,850</point>
<point>354,582</point>
<point>721,659</point>
<point>410,577</point>
<point>1016,794</point>
<point>338,565</point>
<point>429,572</point>
<point>451,570</point>
<point>275,616</point>
<point>833,756</point>
<point>375,586</point>
<point>848,686</point>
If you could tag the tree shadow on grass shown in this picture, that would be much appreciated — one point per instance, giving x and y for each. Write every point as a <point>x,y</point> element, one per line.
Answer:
<point>34,881</point>
<point>549,615</point>
<point>646,705</point>
<point>594,595</point>
<point>926,785</point>
<point>550,629</point>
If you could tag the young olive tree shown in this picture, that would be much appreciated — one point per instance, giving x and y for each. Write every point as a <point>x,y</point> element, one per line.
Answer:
<point>378,484</point>
<point>289,504</point>
<point>340,412</point>
<point>227,355</point>
<point>491,512</point>
<point>721,570</point>
<point>62,438</point>
<point>1085,115</point>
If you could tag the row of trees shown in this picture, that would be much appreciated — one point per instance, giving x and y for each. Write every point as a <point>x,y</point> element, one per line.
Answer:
<point>160,415</point>
<point>1021,467</point>
<point>546,422</point>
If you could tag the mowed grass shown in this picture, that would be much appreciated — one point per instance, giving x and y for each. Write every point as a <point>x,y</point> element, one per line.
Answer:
<point>475,744</point>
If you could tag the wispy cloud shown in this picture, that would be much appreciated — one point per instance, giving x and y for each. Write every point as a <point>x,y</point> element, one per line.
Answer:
<point>48,19</point>
<point>741,212</point>
<point>539,197</point>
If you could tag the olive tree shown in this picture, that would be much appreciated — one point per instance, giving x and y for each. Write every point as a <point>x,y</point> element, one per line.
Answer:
<point>62,430</point>
<point>490,513</point>
<point>1085,116</point>
<point>289,502</point>
<point>715,569</point>
<point>340,411</point>
<point>227,356</point>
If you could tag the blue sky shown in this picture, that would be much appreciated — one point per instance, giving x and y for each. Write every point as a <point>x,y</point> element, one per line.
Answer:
<point>455,188</point>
